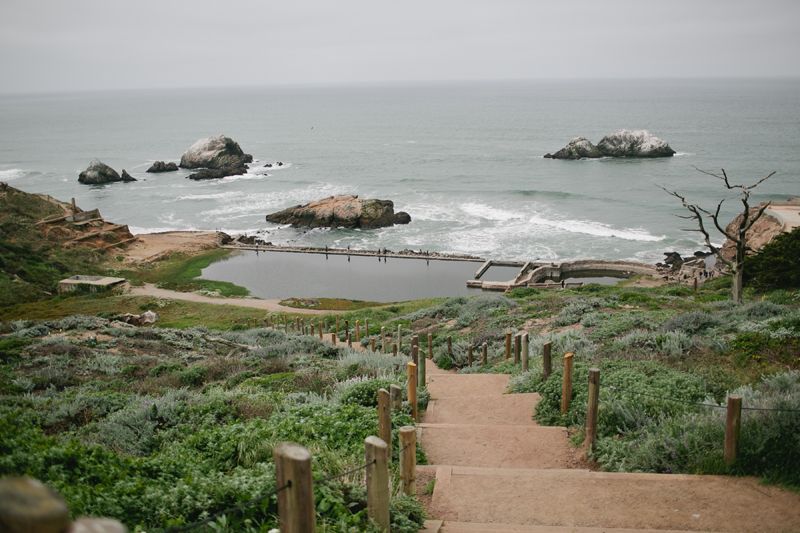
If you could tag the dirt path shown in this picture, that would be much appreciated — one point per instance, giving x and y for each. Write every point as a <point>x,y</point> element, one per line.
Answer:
<point>268,305</point>
<point>498,470</point>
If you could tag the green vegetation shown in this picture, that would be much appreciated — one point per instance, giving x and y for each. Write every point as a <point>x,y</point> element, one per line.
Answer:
<point>776,267</point>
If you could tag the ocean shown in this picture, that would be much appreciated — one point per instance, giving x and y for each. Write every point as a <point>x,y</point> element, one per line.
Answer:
<point>463,159</point>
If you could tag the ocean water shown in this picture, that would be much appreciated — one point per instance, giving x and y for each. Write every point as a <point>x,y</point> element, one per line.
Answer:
<point>463,159</point>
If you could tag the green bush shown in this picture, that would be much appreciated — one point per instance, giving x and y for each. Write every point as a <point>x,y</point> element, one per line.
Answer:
<point>776,267</point>
<point>194,376</point>
<point>366,392</point>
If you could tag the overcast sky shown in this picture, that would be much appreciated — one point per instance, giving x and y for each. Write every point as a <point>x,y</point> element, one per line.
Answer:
<point>55,45</point>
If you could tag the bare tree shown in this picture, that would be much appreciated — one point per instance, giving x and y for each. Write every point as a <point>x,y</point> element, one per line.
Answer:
<point>738,236</point>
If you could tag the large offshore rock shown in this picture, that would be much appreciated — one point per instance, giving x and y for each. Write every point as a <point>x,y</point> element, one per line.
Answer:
<point>576,149</point>
<point>215,152</point>
<point>216,173</point>
<point>161,166</point>
<point>98,173</point>
<point>342,211</point>
<point>634,143</point>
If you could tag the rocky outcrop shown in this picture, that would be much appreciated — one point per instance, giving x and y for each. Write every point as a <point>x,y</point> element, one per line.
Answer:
<point>216,173</point>
<point>98,173</point>
<point>126,177</point>
<point>624,143</point>
<point>342,211</point>
<point>763,231</point>
<point>577,148</point>
<point>161,166</point>
<point>215,152</point>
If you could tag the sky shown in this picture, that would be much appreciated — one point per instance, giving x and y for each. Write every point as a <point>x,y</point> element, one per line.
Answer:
<point>67,45</point>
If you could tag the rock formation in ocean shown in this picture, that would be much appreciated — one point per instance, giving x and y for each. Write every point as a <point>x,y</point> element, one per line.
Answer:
<point>624,143</point>
<point>127,177</point>
<point>577,148</point>
<point>215,152</point>
<point>161,166</point>
<point>98,173</point>
<point>216,173</point>
<point>342,211</point>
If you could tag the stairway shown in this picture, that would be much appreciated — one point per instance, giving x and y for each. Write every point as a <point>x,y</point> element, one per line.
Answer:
<point>497,470</point>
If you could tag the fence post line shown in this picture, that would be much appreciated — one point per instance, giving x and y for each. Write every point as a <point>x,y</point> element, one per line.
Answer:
<point>450,346</point>
<point>358,332</point>
<point>566,385</point>
<point>469,355</point>
<point>547,363</point>
<point>430,345</point>
<point>508,345</point>
<point>484,350</point>
<point>385,418</point>
<point>525,352</point>
<point>296,510</point>
<point>592,407</point>
<point>396,395</point>
<point>399,337</point>
<point>377,481</point>
<point>408,459</point>
<point>383,339</point>
<point>412,390</point>
<point>422,364</point>
<point>517,348</point>
<point>732,425</point>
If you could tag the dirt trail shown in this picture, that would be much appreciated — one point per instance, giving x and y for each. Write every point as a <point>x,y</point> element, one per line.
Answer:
<point>498,470</point>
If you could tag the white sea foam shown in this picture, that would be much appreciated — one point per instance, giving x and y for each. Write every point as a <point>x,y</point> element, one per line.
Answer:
<point>13,174</point>
<point>490,213</point>
<point>596,228</point>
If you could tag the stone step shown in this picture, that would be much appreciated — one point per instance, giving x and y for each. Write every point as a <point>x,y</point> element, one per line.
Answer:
<point>585,499</point>
<point>496,446</point>
<point>506,410</point>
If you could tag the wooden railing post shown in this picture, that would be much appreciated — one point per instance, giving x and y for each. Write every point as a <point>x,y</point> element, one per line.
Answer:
<point>385,418</point>
<point>394,349</point>
<point>469,355</point>
<point>333,338</point>
<point>517,348</point>
<point>733,424</point>
<point>347,326</point>
<point>508,345</point>
<point>547,364</point>
<point>484,353</point>
<point>296,511</point>
<point>358,332</point>
<point>377,455</point>
<point>412,390</point>
<point>337,323</point>
<point>592,407</point>
<point>408,459</point>
<point>415,342</point>
<point>27,505</point>
<point>399,337</point>
<point>422,364</point>
<point>366,327</point>
<point>372,344</point>
<point>320,330</point>
<point>349,340</point>
<point>383,339</point>
<point>525,352</point>
<point>566,385</point>
<point>396,396</point>
<point>450,346</point>
<point>414,353</point>
<point>430,345</point>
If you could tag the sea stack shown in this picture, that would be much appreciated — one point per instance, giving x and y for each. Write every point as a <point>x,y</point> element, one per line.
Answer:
<point>98,173</point>
<point>624,143</point>
<point>341,211</point>
<point>219,152</point>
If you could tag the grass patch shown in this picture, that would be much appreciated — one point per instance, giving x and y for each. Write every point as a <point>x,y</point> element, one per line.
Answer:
<point>328,304</point>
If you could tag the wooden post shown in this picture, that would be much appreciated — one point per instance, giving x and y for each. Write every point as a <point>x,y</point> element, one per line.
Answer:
<point>508,345</point>
<point>408,459</point>
<point>372,343</point>
<point>399,337</point>
<point>333,338</point>
<point>469,355</point>
<point>484,350</point>
<point>450,346</point>
<point>415,354</point>
<point>592,408</point>
<point>415,342</point>
<point>296,511</point>
<point>517,348</point>
<point>732,426</point>
<point>358,332</point>
<point>337,323</point>
<point>27,505</point>
<point>383,339</point>
<point>297,321</point>
<point>366,327</point>
<point>394,349</point>
<point>430,345</point>
<point>412,390</point>
<point>349,340</point>
<point>319,325</point>
<point>74,208</point>
<point>547,364</point>
<point>385,418</point>
<point>377,456</point>
<point>347,326</point>
<point>285,327</point>
<point>396,395</point>
<point>525,352</point>
<point>566,385</point>
<point>422,365</point>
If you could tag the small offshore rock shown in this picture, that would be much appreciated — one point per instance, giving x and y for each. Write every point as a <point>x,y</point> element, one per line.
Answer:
<point>215,152</point>
<point>401,217</point>
<point>672,257</point>
<point>217,173</point>
<point>578,148</point>
<point>126,177</point>
<point>161,166</point>
<point>97,173</point>
<point>634,143</point>
<point>342,211</point>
